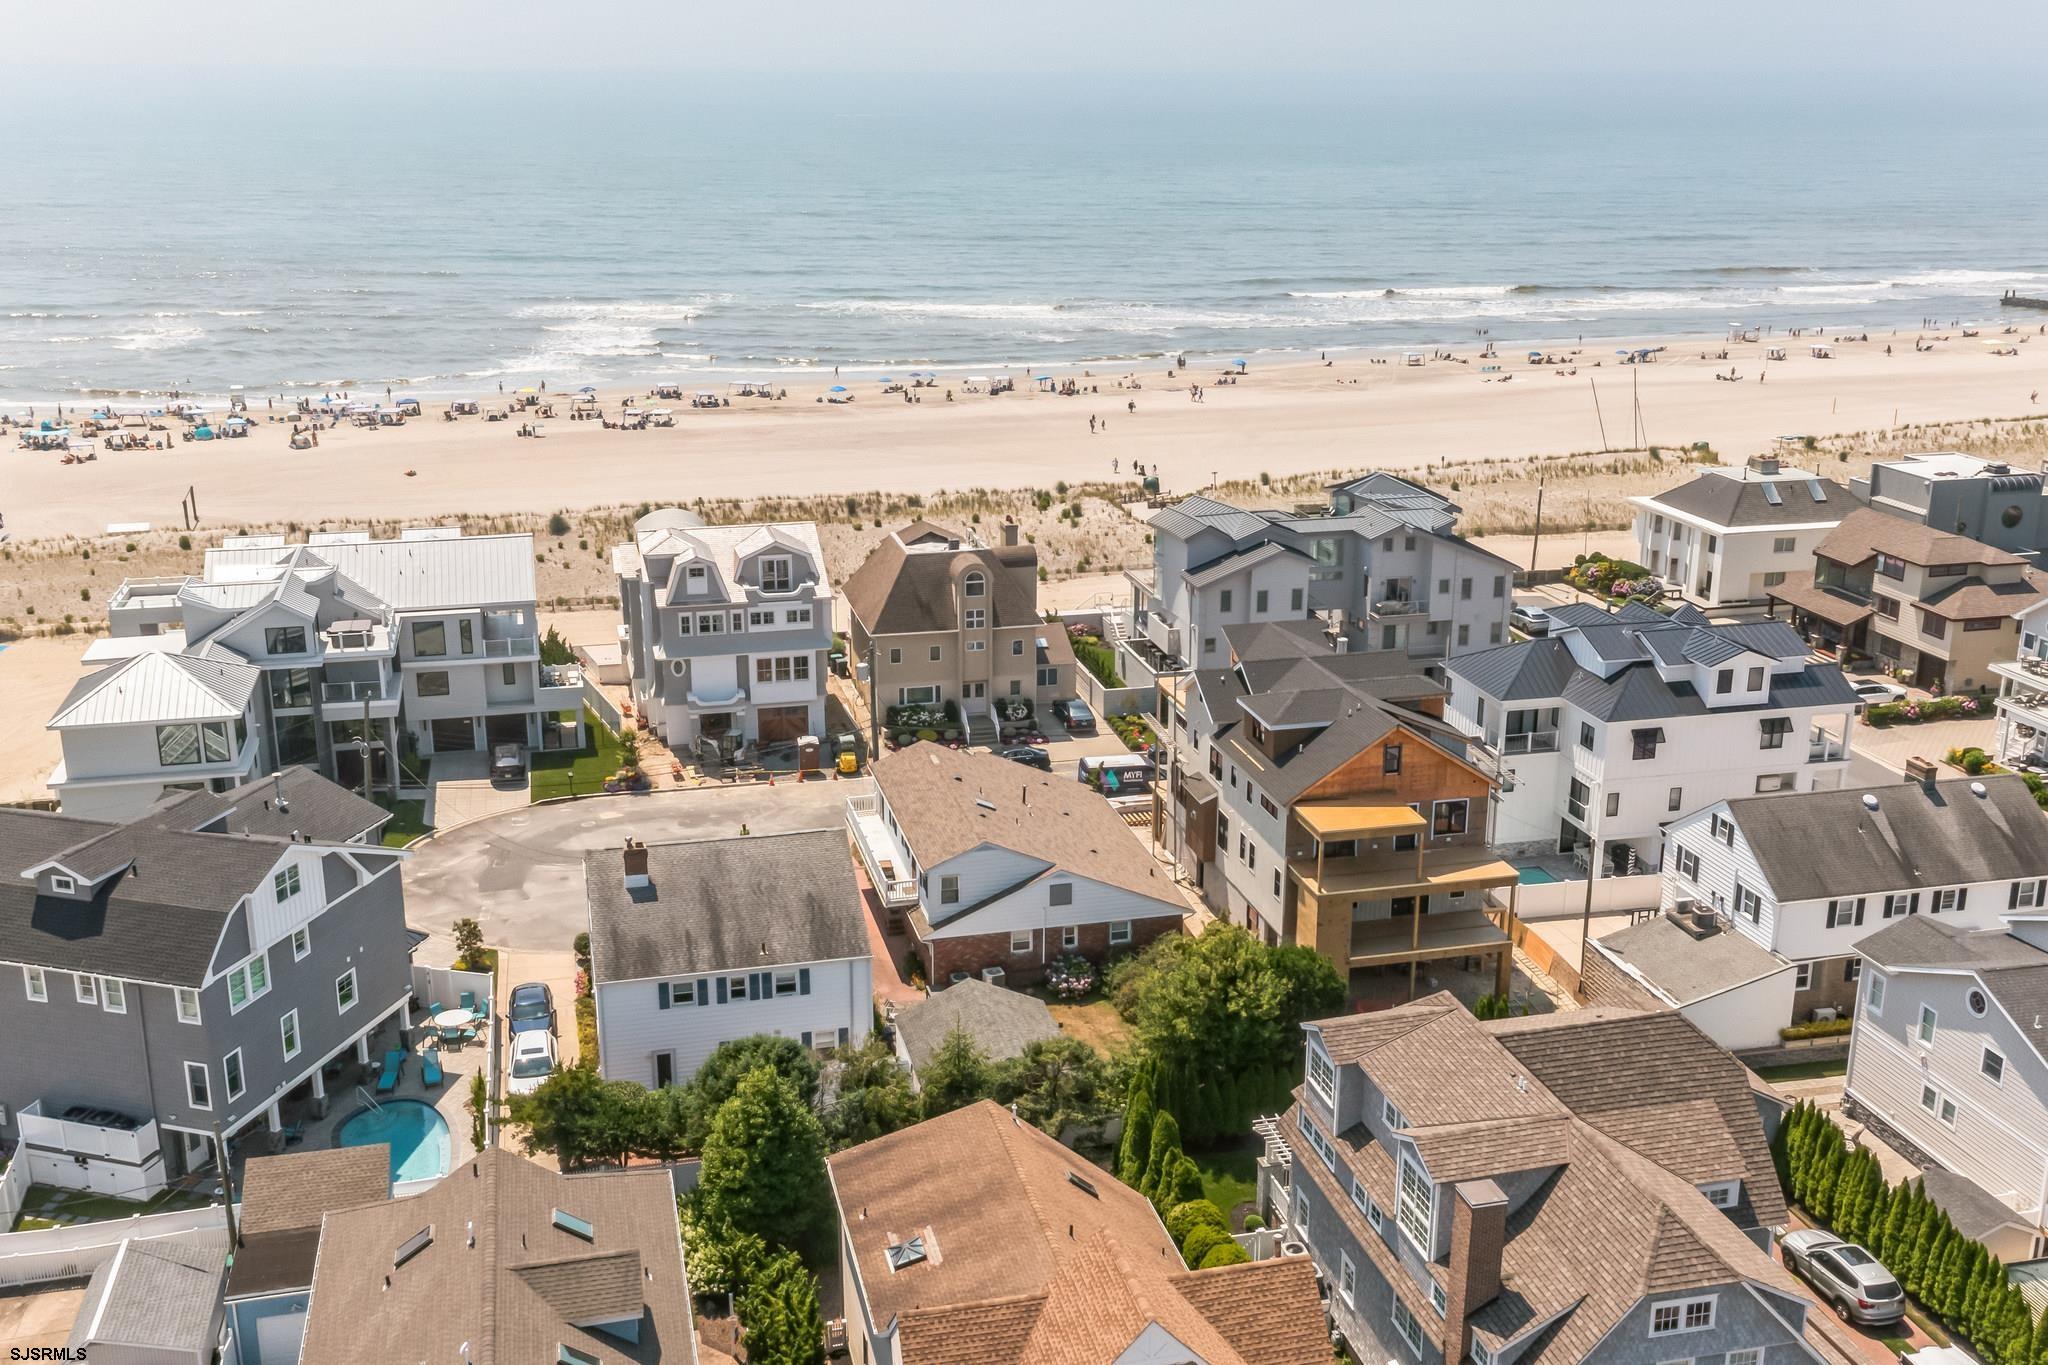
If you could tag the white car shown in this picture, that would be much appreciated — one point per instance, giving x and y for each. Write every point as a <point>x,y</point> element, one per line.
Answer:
<point>1530,621</point>
<point>533,1061</point>
<point>1874,692</point>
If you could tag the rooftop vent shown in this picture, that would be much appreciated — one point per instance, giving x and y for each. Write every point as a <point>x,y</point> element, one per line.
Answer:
<point>1977,790</point>
<point>1870,800</point>
<point>574,1226</point>
<point>413,1246</point>
<point>903,1255</point>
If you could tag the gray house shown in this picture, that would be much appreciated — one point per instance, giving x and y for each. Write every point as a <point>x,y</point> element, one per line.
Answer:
<point>177,975</point>
<point>1587,1186</point>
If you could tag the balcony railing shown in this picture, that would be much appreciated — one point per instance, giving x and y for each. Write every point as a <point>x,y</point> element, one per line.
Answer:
<point>1397,606</point>
<point>560,675</point>
<point>1531,742</point>
<point>881,852</point>
<point>356,691</point>
<point>512,647</point>
<point>1824,751</point>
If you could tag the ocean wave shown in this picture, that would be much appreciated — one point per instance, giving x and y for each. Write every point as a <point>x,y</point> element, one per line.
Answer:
<point>157,339</point>
<point>682,310</point>
<point>932,309</point>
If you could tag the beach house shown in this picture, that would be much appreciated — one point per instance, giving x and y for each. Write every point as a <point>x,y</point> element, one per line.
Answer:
<point>726,630</point>
<point>695,944</point>
<point>1807,876</point>
<point>1585,1186</point>
<point>996,869</point>
<point>1378,560</point>
<point>325,653</point>
<point>939,618</point>
<point>1950,1053</point>
<point>1729,535</point>
<point>1321,799</point>
<point>1617,723</point>
<point>174,976</point>
<point>2022,734</point>
<point>974,1236</point>
<point>1987,500</point>
<point>1931,606</point>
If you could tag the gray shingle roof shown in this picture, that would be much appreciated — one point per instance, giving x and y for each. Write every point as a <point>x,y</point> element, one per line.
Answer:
<point>157,1293</point>
<point>1685,969</point>
<point>1639,694</point>
<point>1001,1022</point>
<point>896,591</point>
<point>2014,971</point>
<point>1975,1211</point>
<point>714,905</point>
<point>1736,502</point>
<point>1812,845</point>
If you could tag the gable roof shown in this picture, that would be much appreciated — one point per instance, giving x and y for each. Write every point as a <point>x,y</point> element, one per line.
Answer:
<point>515,1294</point>
<point>948,801</point>
<point>1025,1265</point>
<point>159,689</point>
<point>1741,503</point>
<point>1001,1022</point>
<point>407,575</point>
<point>283,1200</point>
<point>1866,532</point>
<point>2013,970</point>
<point>1812,845</point>
<point>801,905</point>
<point>901,591</point>
<point>155,1293</point>
<point>1975,1211</point>
<point>1683,969</point>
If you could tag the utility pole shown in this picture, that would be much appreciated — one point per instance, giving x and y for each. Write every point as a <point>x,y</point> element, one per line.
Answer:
<point>874,706</point>
<point>1586,916</point>
<point>227,1182</point>
<point>1596,413</point>
<point>1536,535</point>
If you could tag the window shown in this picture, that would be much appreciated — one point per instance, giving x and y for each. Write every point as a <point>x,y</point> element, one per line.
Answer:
<point>1265,801</point>
<point>1464,590</point>
<point>1049,676</point>
<point>284,640</point>
<point>1774,578</point>
<point>1613,804</point>
<point>1976,1003</point>
<point>1752,1355</point>
<point>1993,1067</point>
<point>1845,913</point>
<point>188,1004</point>
<point>113,996</point>
<point>1390,758</point>
<point>974,585</point>
<point>63,885</point>
<point>977,618</point>
<point>430,684</point>
<point>1932,625</point>
<point>1724,681</point>
<point>1406,1327</point>
<point>429,638</point>
<point>1374,1219</point>
<point>937,653</point>
<point>949,889</point>
<point>1947,902</point>
<point>1722,828</point>
<point>231,1069</point>
<point>1500,585</point>
<point>797,616</point>
<point>1802,977</point>
<point>895,656</point>
<point>1016,648</point>
<point>250,981</point>
<point>1325,1150</point>
<point>1646,741</point>
<point>918,696</point>
<point>1773,730</point>
<point>1438,1299</point>
<point>1902,903</point>
<point>1928,1020</point>
<point>711,623</point>
<point>1294,600</point>
<point>288,1033</point>
<point>760,618</point>
<point>1070,937</point>
<point>1223,600</point>
<point>786,984</point>
<point>1985,623</point>
<point>1682,1315</point>
<point>735,988</point>
<point>1676,799</point>
<point>1688,864</point>
<point>1259,601</point>
<point>1060,893</point>
<point>1874,999</point>
<point>1464,636</point>
<point>1493,633</point>
<point>177,745</point>
<point>1347,1279</point>
<point>1887,607</point>
<point>1749,904</point>
<point>198,1088</point>
<point>1414,1206</point>
<point>285,884</point>
<point>1301,1205</point>
<point>465,631</point>
<point>345,991</point>
<point>35,983</point>
<point>1852,969</point>
<point>1576,797</point>
<point>1208,644</point>
<point>775,575</point>
<point>1447,818</point>
<point>1020,940</point>
<point>1322,1076</point>
<point>1891,566</point>
<point>1783,545</point>
<point>2026,895</point>
<point>1585,735</point>
<point>1119,932</point>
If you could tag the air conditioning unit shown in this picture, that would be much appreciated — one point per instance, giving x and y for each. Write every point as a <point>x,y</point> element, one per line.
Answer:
<point>995,976</point>
<point>957,977</point>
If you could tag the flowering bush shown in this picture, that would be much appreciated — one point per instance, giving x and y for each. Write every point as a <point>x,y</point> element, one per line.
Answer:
<point>1070,976</point>
<point>915,717</point>
<point>1014,708</point>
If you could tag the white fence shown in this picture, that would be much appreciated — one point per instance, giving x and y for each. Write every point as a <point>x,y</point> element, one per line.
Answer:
<point>446,985</point>
<point>74,1252</point>
<point>1113,701</point>
<point>607,710</point>
<point>1561,900</point>
<point>14,1183</point>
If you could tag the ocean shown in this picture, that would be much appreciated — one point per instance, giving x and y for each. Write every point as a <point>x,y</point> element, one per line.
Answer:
<point>245,236</point>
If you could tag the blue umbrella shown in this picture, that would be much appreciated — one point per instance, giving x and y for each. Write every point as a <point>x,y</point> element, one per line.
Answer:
<point>1239,362</point>
<point>885,380</point>
<point>838,388</point>
<point>1045,379</point>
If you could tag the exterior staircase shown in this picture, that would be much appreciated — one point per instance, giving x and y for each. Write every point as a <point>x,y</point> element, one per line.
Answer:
<point>981,729</point>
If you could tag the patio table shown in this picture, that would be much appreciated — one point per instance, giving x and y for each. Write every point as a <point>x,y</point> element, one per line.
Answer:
<point>455,1018</point>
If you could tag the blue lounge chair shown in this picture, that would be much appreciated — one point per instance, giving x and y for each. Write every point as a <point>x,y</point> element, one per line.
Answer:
<point>430,1066</point>
<point>394,1067</point>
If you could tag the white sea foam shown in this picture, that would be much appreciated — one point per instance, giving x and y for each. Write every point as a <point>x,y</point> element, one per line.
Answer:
<point>158,339</point>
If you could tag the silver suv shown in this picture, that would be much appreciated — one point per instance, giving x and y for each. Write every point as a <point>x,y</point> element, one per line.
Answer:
<point>1847,1276</point>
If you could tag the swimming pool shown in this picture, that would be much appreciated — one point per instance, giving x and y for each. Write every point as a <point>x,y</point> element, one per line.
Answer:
<point>1534,876</point>
<point>418,1137</point>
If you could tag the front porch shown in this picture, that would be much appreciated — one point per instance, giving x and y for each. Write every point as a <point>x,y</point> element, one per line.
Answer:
<point>1835,623</point>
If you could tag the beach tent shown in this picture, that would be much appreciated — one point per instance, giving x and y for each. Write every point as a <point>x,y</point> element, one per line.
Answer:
<point>837,388</point>
<point>202,433</point>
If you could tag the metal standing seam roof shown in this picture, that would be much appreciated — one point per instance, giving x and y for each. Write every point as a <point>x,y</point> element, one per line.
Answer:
<point>159,688</point>
<point>411,575</point>
<point>1532,671</point>
<point>1225,565</point>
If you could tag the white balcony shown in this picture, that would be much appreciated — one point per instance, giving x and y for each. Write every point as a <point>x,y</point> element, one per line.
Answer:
<point>561,688</point>
<point>882,853</point>
<point>513,647</point>
<point>347,700</point>
<point>1530,742</point>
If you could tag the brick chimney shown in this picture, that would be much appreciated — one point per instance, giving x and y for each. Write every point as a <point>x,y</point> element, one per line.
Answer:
<point>1479,1230</point>
<point>636,864</point>
<point>1009,530</point>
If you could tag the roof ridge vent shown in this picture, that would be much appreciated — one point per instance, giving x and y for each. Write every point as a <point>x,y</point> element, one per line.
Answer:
<point>1977,790</point>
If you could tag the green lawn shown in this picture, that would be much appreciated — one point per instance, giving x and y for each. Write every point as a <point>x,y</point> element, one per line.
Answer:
<point>1806,1071</point>
<point>1229,1176</point>
<point>46,1206</point>
<point>408,821</point>
<point>563,773</point>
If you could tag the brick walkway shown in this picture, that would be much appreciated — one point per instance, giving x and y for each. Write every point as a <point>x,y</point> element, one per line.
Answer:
<point>888,950</point>
<point>1894,744</point>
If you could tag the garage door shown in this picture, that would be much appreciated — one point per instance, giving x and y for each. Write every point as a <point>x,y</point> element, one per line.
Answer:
<point>456,733</point>
<point>781,723</point>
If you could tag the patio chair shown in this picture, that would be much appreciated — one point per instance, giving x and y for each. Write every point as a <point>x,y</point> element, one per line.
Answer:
<point>394,1067</point>
<point>469,1035</point>
<point>435,1009</point>
<point>451,1035</point>
<point>467,1000</point>
<point>430,1066</point>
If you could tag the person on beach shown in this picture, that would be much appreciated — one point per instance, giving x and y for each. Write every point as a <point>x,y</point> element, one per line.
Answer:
<point>1091,426</point>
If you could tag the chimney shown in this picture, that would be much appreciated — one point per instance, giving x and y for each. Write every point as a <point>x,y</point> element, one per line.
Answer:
<point>636,864</point>
<point>1479,1231</point>
<point>1922,770</point>
<point>1009,530</point>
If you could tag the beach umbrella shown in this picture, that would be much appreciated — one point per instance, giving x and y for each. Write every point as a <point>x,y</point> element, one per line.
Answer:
<point>588,388</point>
<point>838,388</point>
<point>885,379</point>
<point>1239,362</point>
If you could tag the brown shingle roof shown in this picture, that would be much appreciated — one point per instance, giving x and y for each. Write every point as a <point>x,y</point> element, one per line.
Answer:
<point>510,1292</point>
<point>938,796</point>
<point>1867,531</point>
<point>1023,1264</point>
<point>897,591</point>
<point>294,1190</point>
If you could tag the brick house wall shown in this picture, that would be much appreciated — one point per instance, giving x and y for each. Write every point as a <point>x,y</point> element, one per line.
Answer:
<point>971,952</point>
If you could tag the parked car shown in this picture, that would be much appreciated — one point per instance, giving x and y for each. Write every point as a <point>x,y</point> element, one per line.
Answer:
<point>1075,715</point>
<point>533,1061</point>
<point>1530,620</point>
<point>1854,1281</point>
<point>1873,692</point>
<point>508,764</point>
<point>1030,757</point>
<point>533,1008</point>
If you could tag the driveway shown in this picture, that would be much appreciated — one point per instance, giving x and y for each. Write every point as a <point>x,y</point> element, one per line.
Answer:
<point>520,873</point>
<point>1893,745</point>
<point>459,789</point>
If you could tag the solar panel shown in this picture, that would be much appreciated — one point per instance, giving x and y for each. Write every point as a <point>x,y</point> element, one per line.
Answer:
<point>1816,491</point>
<point>1773,496</point>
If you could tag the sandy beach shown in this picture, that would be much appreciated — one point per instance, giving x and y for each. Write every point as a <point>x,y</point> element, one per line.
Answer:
<point>1363,410</point>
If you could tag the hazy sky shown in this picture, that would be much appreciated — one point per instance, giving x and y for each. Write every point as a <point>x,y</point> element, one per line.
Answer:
<point>1807,49</point>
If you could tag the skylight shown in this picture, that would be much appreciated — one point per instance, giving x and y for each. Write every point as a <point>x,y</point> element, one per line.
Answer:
<point>1773,496</point>
<point>574,1226</point>
<point>1080,1183</point>
<point>1816,491</point>
<point>905,1254</point>
<point>566,1354</point>
<point>413,1246</point>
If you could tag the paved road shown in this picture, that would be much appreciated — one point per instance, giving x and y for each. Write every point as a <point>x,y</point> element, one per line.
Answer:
<point>520,874</point>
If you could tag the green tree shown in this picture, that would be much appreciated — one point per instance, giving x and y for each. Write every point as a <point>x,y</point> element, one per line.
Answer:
<point>1055,1082</point>
<point>1136,1145</point>
<point>779,1311</point>
<point>1159,1162</point>
<point>869,1095</point>
<point>764,1167</point>
<point>1182,1182</point>
<point>957,1075</point>
<point>730,1061</point>
<point>2041,1340</point>
<point>721,1258</point>
<point>554,649</point>
<point>1896,1220</point>
<point>1185,1217</point>
<point>1198,1243</point>
<point>469,944</point>
<point>563,1115</point>
<point>665,1123</point>
<point>1224,1253</point>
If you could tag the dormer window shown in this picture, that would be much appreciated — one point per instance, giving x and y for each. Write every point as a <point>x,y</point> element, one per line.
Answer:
<point>974,585</point>
<point>775,574</point>
<point>695,578</point>
<point>63,885</point>
<point>1322,1077</point>
<point>284,640</point>
<point>1415,1206</point>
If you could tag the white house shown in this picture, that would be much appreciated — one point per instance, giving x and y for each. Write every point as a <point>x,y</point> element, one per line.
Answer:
<point>726,629</point>
<point>696,944</point>
<point>1951,1052</point>
<point>997,869</point>
<point>1618,723</point>
<point>156,723</point>
<point>1730,535</point>
<point>1809,875</point>
<point>2023,694</point>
